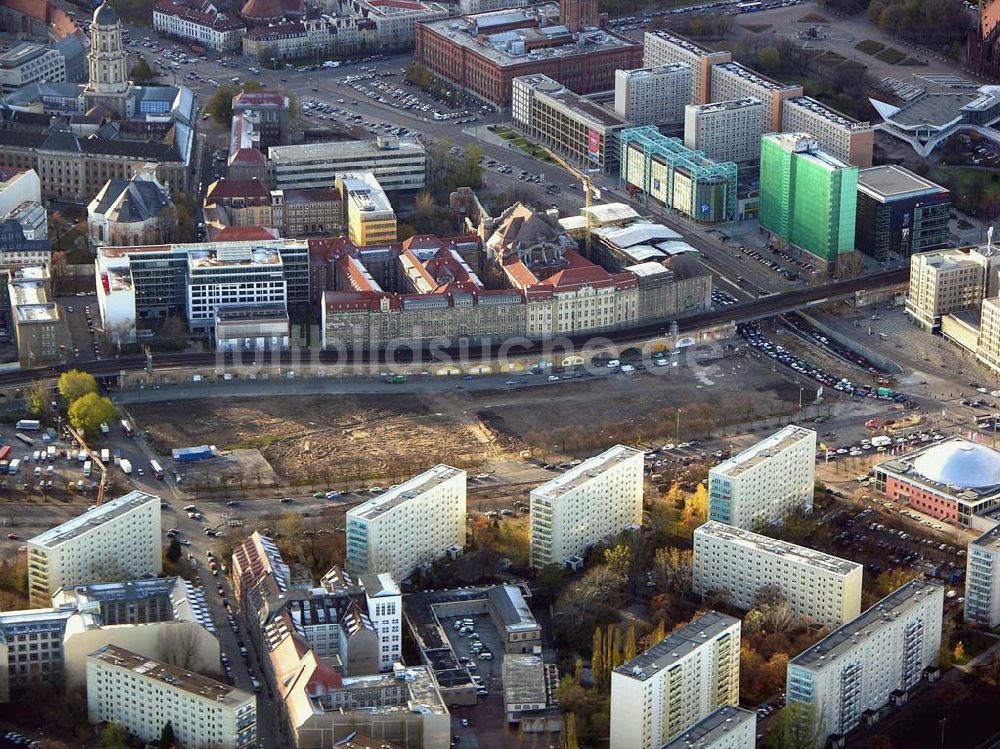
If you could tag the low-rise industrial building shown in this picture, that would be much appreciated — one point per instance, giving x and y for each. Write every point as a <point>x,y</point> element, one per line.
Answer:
<point>530,696</point>
<point>822,588</point>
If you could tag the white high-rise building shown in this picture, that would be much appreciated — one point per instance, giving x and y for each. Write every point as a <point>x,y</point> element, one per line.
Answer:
<point>765,482</point>
<point>120,539</point>
<point>819,586</point>
<point>414,524</point>
<point>728,727</point>
<point>143,695</point>
<point>589,503</point>
<point>676,683</point>
<point>982,580</point>
<point>725,130</point>
<point>859,666</point>
<point>653,96</point>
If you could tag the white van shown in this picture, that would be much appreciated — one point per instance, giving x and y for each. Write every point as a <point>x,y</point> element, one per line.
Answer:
<point>613,363</point>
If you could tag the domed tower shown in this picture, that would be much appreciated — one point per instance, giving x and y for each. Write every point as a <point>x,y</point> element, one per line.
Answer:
<point>107,55</point>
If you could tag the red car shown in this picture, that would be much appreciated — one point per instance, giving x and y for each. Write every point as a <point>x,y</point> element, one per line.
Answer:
<point>13,536</point>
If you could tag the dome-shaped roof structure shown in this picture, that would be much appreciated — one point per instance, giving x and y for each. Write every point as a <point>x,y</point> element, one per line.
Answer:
<point>105,15</point>
<point>968,465</point>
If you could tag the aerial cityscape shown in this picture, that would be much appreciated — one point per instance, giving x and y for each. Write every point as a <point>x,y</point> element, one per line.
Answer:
<point>499,374</point>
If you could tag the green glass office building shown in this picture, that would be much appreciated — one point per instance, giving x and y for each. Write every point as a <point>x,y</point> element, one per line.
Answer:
<point>807,197</point>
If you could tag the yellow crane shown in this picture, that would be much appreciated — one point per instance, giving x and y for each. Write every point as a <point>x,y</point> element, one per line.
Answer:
<point>95,460</point>
<point>589,192</point>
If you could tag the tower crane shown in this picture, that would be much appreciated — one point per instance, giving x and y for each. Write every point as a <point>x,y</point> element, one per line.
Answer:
<point>95,460</point>
<point>589,192</point>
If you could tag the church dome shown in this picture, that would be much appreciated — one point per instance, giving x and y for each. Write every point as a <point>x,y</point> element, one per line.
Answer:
<point>105,15</point>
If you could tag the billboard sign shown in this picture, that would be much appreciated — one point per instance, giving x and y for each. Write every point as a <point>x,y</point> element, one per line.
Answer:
<point>594,145</point>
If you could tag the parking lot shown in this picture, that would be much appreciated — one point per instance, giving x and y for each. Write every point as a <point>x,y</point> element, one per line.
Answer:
<point>482,725</point>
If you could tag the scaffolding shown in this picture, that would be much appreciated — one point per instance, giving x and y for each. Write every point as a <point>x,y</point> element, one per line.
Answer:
<point>702,201</point>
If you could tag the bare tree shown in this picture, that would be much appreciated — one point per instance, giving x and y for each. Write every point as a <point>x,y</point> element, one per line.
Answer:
<point>179,644</point>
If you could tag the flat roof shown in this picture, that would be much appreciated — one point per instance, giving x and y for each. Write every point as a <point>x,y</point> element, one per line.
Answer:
<point>844,639</point>
<point>571,102</point>
<point>827,113</point>
<point>752,76</point>
<point>713,728</point>
<point>465,33</point>
<point>93,519</point>
<point>686,44</point>
<point>891,182</point>
<point>784,549</point>
<point>587,471</point>
<point>523,679</point>
<point>806,146</point>
<point>424,696</point>
<point>21,54</point>
<point>343,150</point>
<point>677,645</point>
<point>654,70</point>
<point>195,684</point>
<point>44,312</point>
<point>731,104</point>
<point>513,609</point>
<point>406,491</point>
<point>767,448</point>
<point>989,540</point>
<point>934,109</point>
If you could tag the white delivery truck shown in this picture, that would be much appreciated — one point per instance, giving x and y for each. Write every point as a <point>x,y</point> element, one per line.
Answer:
<point>126,466</point>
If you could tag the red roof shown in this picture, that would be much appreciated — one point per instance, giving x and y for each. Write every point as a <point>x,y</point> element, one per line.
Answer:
<point>251,99</point>
<point>245,234</point>
<point>263,10</point>
<point>236,188</point>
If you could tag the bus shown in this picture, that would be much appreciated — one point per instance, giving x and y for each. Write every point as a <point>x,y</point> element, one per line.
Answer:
<point>127,428</point>
<point>28,425</point>
<point>25,439</point>
<point>5,452</point>
<point>157,469</point>
<point>749,7</point>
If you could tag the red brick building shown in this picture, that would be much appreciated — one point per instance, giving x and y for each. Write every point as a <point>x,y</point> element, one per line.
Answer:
<point>483,53</point>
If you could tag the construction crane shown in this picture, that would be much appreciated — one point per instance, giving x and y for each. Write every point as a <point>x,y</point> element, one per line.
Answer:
<point>95,460</point>
<point>589,191</point>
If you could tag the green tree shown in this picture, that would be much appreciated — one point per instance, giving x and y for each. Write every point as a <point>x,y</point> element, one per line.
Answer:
<point>167,738</point>
<point>174,555</point>
<point>619,560</point>
<point>569,735</point>
<point>75,384</point>
<point>769,60</point>
<point>597,658</point>
<point>114,736</point>
<point>90,411</point>
<point>798,727</point>
<point>37,399</point>
<point>220,106</point>
<point>141,73</point>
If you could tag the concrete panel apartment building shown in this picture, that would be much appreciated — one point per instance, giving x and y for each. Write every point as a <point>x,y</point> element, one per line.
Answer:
<point>765,482</point>
<point>947,281</point>
<point>411,525</point>
<point>729,727</point>
<point>663,48</point>
<point>121,538</point>
<point>678,682</point>
<point>143,695</point>
<point>725,130</point>
<point>982,580</point>
<point>840,136</point>
<point>731,80</point>
<point>824,588</point>
<point>653,96</point>
<point>874,659</point>
<point>572,125</point>
<point>587,504</point>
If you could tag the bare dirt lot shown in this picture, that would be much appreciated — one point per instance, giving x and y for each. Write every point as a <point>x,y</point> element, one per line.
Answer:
<point>317,439</point>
